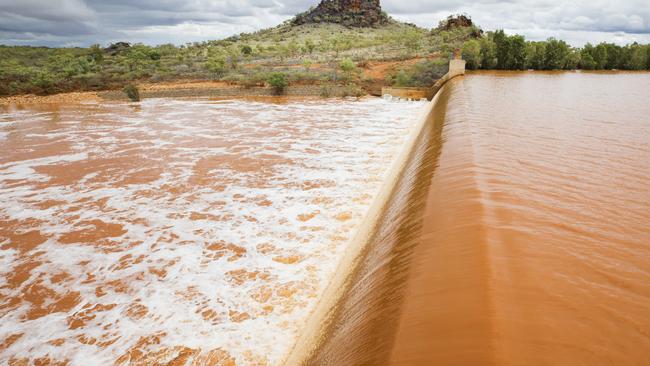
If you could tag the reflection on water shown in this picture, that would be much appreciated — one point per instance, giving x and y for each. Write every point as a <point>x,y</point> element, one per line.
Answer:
<point>179,232</point>
<point>533,247</point>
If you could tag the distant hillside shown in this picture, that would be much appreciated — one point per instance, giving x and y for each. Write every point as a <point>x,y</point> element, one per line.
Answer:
<point>306,50</point>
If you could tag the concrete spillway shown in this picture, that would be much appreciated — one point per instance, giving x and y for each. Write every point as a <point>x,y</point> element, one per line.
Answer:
<point>385,223</point>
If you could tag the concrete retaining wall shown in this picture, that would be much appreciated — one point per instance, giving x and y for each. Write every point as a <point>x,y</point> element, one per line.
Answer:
<point>456,68</point>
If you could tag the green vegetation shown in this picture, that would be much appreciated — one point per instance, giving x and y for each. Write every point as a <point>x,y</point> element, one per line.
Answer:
<point>421,74</point>
<point>132,92</point>
<point>497,50</point>
<point>278,81</point>
<point>309,53</point>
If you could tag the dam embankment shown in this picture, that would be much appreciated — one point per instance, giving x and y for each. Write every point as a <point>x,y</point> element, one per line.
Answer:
<point>517,233</point>
<point>382,264</point>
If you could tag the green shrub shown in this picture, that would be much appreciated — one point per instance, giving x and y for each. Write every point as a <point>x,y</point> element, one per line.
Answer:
<point>246,50</point>
<point>278,81</point>
<point>216,65</point>
<point>402,79</point>
<point>347,65</point>
<point>44,82</point>
<point>472,54</point>
<point>132,92</point>
<point>351,90</point>
<point>253,79</point>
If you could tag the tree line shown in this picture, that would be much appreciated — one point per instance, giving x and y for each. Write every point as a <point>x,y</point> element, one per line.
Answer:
<point>499,51</point>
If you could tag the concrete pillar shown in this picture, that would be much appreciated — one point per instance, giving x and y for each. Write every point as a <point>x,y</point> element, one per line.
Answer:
<point>457,67</point>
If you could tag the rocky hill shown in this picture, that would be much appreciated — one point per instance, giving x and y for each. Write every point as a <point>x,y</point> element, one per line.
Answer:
<point>350,13</point>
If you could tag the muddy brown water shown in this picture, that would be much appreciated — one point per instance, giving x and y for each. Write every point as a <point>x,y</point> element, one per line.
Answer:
<point>519,234</point>
<point>180,232</point>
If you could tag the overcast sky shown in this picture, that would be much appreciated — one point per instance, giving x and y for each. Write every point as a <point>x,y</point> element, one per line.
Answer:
<point>84,22</point>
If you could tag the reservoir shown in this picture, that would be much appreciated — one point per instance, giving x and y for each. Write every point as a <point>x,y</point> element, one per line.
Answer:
<point>518,235</point>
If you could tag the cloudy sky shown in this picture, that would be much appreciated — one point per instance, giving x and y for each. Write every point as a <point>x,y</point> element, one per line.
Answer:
<point>84,22</point>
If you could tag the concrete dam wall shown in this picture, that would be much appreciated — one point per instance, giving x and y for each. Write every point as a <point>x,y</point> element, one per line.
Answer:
<point>350,320</point>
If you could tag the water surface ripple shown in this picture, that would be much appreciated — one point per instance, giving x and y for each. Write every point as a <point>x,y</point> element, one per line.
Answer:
<point>532,246</point>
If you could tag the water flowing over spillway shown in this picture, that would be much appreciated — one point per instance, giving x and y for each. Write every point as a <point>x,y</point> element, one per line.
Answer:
<point>519,234</point>
<point>180,232</point>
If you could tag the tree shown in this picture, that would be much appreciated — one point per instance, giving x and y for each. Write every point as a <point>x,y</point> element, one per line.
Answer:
<point>517,57</point>
<point>472,54</point>
<point>502,44</point>
<point>278,81</point>
<point>535,55</point>
<point>600,56</point>
<point>614,56</point>
<point>216,64</point>
<point>510,51</point>
<point>637,57</point>
<point>137,58</point>
<point>310,46</point>
<point>587,61</point>
<point>556,54</point>
<point>572,59</point>
<point>488,53</point>
<point>97,54</point>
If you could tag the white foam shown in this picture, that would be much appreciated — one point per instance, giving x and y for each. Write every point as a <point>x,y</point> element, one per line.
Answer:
<point>331,157</point>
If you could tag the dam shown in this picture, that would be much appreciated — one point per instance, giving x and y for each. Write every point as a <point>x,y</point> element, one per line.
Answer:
<point>503,223</point>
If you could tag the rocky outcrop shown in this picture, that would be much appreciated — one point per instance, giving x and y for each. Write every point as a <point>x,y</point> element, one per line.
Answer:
<point>460,21</point>
<point>116,48</point>
<point>351,13</point>
<point>457,21</point>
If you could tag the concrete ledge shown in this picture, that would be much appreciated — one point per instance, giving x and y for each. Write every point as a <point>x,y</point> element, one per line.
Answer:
<point>406,93</point>
<point>234,92</point>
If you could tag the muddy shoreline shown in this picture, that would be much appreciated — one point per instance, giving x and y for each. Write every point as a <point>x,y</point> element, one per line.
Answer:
<point>188,89</point>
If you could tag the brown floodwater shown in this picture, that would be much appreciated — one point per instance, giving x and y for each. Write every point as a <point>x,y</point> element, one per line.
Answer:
<point>180,232</point>
<point>519,234</point>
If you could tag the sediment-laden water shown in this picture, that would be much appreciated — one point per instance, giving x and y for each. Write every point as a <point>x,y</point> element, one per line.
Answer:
<point>519,236</point>
<point>179,232</point>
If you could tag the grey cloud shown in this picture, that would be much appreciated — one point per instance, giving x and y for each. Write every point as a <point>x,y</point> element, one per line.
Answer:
<point>55,10</point>
<point>18,23</point>
<point>82,22</point>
